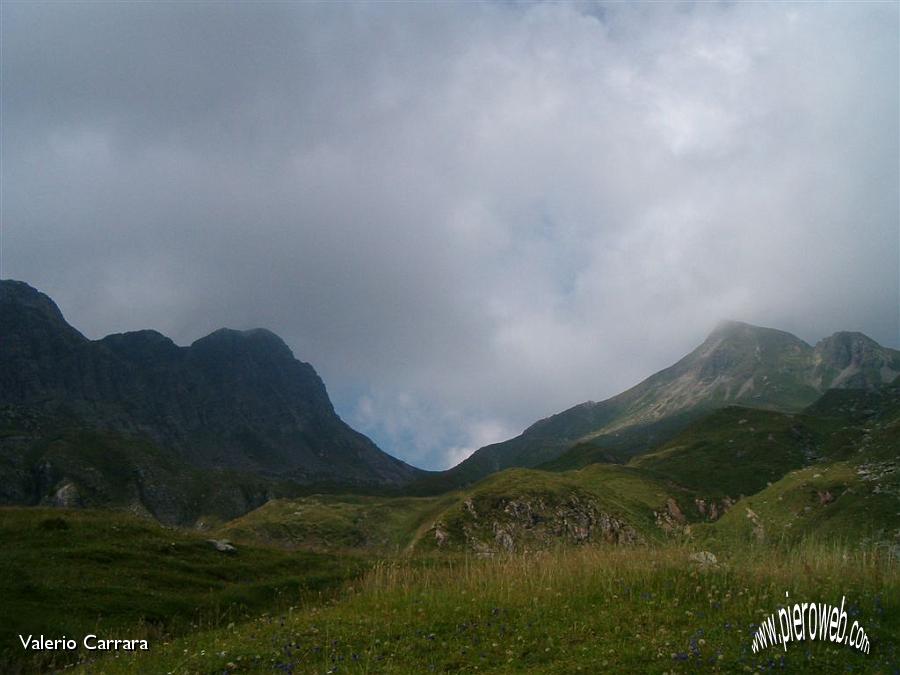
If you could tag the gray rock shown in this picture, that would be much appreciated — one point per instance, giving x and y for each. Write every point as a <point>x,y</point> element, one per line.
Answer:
<point>222,545</point>
<point>66,496</point>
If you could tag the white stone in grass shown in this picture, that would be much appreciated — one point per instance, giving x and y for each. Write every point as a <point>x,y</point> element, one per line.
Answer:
<point>222,545</point>
<point>704,558</point>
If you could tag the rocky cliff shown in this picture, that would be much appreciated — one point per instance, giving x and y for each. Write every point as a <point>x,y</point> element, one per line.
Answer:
<point>232,401</point>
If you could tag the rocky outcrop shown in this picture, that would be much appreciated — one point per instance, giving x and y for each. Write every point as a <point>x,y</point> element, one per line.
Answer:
<point>530,523</point>
<point>825,497</point>
<point>670,519</point>
<point>66,496</point>
<point>712,509</point>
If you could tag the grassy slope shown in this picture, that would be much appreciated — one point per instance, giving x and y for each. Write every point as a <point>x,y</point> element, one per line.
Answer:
<point>796,507</point>
<point>380,524</point>
<point>626,609</point>
<point>72,572</point>
<point>580,456</point>
<point>738,451</point>
<point>559,448</point>
<point>854,499</point>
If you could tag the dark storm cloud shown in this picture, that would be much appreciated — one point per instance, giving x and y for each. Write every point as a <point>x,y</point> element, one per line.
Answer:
<point>466,216</point>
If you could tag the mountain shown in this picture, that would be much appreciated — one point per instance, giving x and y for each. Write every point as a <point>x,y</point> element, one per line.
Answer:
<point>698,486</point>
<point>233,401</point>
<point>738,364</point>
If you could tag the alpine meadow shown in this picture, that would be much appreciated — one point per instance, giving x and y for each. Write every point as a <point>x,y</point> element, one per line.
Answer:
<point>601,307</point>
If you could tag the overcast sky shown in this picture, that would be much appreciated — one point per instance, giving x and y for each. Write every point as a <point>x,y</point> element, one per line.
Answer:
<point>465,216</point>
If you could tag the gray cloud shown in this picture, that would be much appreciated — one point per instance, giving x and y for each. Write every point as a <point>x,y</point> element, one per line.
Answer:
<point>466,216</point>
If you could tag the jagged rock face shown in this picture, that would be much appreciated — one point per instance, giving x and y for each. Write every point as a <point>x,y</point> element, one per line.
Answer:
<point>232,400</point>
<point>530,523</point>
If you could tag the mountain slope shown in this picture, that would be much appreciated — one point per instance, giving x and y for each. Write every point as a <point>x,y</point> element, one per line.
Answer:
<point>232,401</point>
<point>738,451</point>
<point>732,456</point>
<point>853,496</point>
<point>738,364</point>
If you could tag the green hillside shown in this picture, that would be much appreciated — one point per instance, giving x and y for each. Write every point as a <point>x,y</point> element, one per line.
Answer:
<point>379,525</point>
<point>604,567</point>
<point>520,510</point>
<point>853,500</point>
<point>738,451</point>
<point>580,456</point>
<point>70,572</point>
<point>856,502</point>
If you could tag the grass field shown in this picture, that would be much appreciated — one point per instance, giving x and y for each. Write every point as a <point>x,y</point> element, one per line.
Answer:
<point>72,572</point>
<point>596,609</point>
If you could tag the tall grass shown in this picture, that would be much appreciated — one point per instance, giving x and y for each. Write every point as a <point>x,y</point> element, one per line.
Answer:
<point>594,609</point>
<point>570,570</point>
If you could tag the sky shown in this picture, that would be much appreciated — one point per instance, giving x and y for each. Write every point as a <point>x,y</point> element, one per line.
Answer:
<point>466,216</point>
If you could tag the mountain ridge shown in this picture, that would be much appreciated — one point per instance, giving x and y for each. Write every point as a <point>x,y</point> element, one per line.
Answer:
<point>737,364</point>
<point>239,401</point>
<point>230,401</point>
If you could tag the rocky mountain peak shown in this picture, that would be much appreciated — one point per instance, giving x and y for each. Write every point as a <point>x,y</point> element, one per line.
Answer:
<point>25,311</point>
<point>854,360</point>
<point>740,335</point>
<point>20,293</point>
<point>232,400</point>
<point>846,347</point>
<point>230,343</point>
